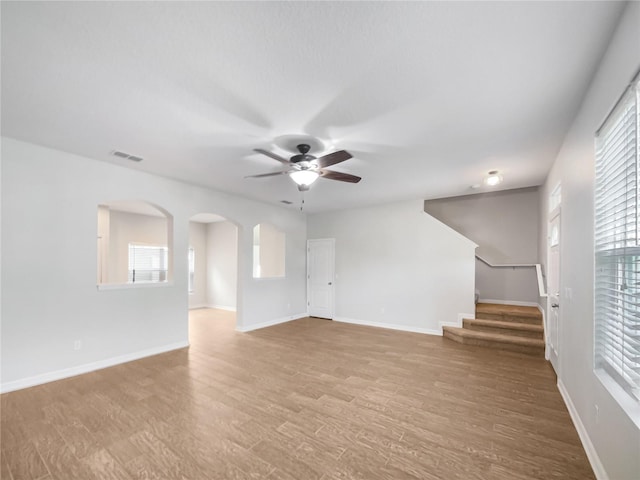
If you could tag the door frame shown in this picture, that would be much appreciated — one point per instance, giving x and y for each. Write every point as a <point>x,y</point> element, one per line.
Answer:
<point>332,242</point>
<point>554,215</point>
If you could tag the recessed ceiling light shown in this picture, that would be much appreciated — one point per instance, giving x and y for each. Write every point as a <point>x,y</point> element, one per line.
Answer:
<point>493,178</point>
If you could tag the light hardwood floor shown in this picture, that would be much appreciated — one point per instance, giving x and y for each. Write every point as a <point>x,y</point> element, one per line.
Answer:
<point>310,399</point>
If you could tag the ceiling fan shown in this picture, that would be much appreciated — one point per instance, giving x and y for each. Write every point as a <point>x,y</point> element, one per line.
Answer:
<point>304,169</point>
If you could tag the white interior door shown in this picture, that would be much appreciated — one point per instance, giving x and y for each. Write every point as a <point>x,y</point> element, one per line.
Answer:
<point>553,287</point>
<point>320,277</point>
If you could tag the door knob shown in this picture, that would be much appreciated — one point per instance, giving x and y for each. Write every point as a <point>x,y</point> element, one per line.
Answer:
<point>330,283</point>
<point>555,305</point>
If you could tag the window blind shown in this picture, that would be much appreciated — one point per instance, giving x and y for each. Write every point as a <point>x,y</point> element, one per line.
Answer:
<point>147,263</point>
<point>617,244</point>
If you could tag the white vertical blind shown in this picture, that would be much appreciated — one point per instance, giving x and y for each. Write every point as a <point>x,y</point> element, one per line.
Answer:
<point>148,263</point>
<point>617,244</point>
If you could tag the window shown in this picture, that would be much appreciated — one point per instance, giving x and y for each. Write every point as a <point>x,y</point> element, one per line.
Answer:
<point>617,244</point>
<point>192,268</point>
<point>147,263</point>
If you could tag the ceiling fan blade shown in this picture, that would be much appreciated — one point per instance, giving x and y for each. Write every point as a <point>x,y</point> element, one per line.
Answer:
<point>341,177</point>
<point>333,158</point>
<point>269,174</point>
<point>272,155</point>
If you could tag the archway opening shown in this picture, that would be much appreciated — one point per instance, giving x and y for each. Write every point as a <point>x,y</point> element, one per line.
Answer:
<point>213,275</point>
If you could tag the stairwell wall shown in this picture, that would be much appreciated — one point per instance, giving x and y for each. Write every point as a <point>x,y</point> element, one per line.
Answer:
<point>505,226</point>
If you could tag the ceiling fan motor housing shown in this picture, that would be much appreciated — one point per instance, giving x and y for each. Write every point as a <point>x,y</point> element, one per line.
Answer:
<point>303,148</point>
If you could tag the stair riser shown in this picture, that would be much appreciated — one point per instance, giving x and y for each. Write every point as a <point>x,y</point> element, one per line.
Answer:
<point>505,331</point>
<point>451,336</point>
<point>510,318</point>
<point>534,351</point>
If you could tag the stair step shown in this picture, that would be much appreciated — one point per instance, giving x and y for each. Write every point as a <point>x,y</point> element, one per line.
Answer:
<point>507,328</point>
<point>509,313</point>
<point>531,346</point>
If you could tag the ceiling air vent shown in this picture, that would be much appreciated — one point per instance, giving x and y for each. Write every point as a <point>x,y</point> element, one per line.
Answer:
<point>133,158</point>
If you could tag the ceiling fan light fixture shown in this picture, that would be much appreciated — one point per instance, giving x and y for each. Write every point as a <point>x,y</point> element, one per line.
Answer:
<point>494,178</point>
<point>304,177</point>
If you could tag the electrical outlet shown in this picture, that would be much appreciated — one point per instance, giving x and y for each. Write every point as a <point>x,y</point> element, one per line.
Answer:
<point>77,345</point>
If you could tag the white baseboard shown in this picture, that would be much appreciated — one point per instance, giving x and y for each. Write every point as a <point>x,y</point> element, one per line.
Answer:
<point>223,307</point>
<point>390,326</point>
<point>461,317</point>
<point>86,368</point>
<point>271,323</point>
<point>449,324</point>
<point>508,302</point>
<point>458,323</point>
<point>197,306</point>
<point>594,460</point>
<point>208,305</point>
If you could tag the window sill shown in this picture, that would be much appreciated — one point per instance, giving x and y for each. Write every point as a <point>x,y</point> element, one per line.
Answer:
<point>129,286</point>
<point>630,406</point>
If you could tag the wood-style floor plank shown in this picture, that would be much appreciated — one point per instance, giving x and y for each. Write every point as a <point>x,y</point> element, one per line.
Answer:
<point>310,399</point>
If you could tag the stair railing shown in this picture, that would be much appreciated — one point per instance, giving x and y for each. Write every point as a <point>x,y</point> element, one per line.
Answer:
<point>539,275</point>
<point>542,291</point>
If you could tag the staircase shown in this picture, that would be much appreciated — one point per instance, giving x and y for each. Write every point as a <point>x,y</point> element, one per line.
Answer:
<point>505,327</point>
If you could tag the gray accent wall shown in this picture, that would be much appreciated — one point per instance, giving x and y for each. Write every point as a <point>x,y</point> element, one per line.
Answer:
<point>505,225</point>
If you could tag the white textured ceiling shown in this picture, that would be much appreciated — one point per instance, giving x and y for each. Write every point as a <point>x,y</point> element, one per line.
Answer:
<point>427,97</point>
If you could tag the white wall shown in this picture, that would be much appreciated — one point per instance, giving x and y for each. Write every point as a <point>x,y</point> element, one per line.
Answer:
<point>614,437</point>
<point>397,266</point>
<point>222,265</point>
<point>505,225</point>
<point>49,215</point>
<point>198,240</point>
<point>269,247</point>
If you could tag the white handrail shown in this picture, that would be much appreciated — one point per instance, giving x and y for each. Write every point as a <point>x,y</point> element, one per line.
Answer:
<point>541,288</point>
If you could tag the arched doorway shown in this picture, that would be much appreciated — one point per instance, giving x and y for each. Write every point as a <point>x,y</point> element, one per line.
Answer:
<point>213,275</point>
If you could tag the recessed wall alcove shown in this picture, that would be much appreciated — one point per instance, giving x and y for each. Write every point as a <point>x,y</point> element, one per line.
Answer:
<point>134,244</point>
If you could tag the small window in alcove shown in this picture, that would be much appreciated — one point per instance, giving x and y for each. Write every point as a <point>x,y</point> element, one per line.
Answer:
<point>268,251</point>
<point>134,244</point>
<point>148,263</point>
